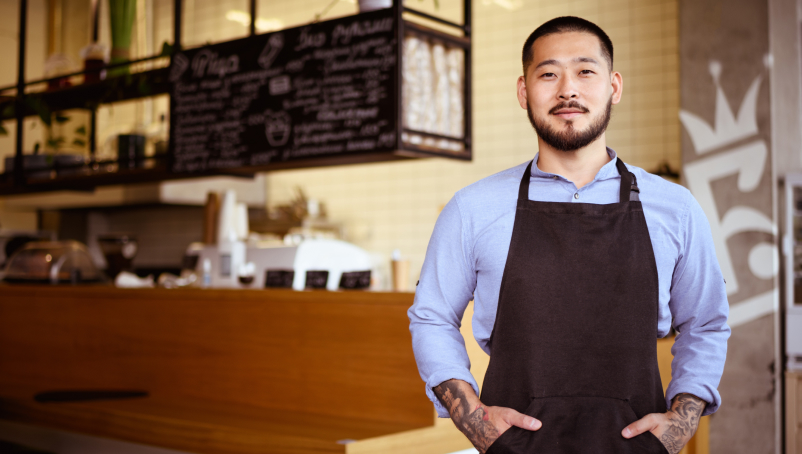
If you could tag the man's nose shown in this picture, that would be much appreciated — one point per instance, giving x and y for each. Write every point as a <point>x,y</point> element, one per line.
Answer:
<point>568,89</point>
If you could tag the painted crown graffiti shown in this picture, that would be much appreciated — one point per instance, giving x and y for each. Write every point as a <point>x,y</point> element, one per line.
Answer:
<point>735,148</point>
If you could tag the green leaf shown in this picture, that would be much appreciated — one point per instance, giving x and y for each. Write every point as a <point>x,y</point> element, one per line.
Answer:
<point>144,87</point>
<point>81,130</point>
<point>55,143</point>
<point>37,105</point>
<point>167,49</point>
<point>62,118</point>
<point>78,142</point>
<point>8,110</point>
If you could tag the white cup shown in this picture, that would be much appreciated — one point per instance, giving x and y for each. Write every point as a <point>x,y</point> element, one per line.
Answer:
<point>373,5</point>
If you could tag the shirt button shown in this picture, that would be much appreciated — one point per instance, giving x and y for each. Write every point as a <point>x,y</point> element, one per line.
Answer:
<point>576,195</point>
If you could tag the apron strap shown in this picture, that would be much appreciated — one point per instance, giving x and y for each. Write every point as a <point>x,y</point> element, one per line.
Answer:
<point>629,184</point>
<point>626,180</point>
<point>523,189</point>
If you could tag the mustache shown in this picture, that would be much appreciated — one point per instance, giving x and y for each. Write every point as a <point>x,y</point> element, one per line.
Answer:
<point>568,105</point>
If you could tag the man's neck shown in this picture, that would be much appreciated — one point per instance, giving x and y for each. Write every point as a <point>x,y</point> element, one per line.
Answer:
<point>580,166</point>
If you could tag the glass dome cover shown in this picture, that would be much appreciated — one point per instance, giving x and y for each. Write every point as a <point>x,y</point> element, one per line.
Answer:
<point>53,262</point>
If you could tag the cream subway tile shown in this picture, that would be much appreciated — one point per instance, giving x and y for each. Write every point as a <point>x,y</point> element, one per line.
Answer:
<point>647,11</point>
<point>621,114</point>
<point>648,133</point>
<point>616,25</point>
<point>405,198</point>
<point>649,65</point>
<point>645,30</point>
<point>618,135</point>
<point>670,36</point>
<point>672,95</point>
<point>622,46</point>
<point>649,87</point>
<point>618,5</point>
<point>670,8</point>
<point>672,77</point>
<point>650,117</point>
<point>671,63</point>
<point>653,44</point>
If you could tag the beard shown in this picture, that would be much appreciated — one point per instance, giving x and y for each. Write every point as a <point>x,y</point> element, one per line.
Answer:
<point>571,139</point>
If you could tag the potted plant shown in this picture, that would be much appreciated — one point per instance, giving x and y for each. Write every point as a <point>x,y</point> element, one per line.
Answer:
<point>54,154</point>
<point>59,151</point>
<point>122,14</point>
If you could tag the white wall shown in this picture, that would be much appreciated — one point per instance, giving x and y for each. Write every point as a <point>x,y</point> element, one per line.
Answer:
<point>34,68</point>
<point>395,205</point>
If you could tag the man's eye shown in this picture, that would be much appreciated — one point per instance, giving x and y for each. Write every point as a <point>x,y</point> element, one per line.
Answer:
<point>586,71</point>
<point>547,75</point>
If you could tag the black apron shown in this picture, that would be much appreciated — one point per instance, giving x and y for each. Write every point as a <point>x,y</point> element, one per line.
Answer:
<point>574,341</point>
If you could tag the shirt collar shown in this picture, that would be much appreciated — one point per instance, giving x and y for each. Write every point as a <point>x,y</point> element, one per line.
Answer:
<point>607,171</point>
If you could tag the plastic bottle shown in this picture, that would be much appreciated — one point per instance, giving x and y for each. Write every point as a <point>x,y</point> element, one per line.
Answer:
<point>207,273</point>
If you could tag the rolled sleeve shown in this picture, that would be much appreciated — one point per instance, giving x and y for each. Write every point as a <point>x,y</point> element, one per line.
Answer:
<point>445,375</point>
<point>699,309</point>
<point>446,286</point>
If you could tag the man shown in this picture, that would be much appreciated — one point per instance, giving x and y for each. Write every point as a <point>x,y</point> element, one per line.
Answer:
<point>576,263</point>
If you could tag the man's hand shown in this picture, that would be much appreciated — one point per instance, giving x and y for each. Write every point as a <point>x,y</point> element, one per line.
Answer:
<point>673,428</point>
<point>480,423</point>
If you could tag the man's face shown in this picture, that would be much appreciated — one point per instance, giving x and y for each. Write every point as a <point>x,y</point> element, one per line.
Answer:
<point>568,90</point>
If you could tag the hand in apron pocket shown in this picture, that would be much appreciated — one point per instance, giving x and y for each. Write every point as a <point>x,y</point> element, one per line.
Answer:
<point>578,424</point>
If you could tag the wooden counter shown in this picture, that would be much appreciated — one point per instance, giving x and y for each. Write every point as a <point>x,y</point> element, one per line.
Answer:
<point>227,371</point>
<point>230,371</point>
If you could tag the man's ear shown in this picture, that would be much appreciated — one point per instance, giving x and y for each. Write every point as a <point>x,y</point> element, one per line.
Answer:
<point>522,92</point>
<point>618,87</point>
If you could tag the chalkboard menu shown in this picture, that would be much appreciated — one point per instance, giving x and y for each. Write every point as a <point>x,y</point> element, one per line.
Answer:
<point>318,90</point>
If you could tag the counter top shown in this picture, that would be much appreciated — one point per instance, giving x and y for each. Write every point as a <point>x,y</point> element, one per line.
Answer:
<point>199,426</point>
<point>228,371</point>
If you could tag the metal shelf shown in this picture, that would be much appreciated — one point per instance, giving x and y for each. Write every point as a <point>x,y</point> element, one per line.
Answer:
<point>88,96</point>
<point>93,177</point>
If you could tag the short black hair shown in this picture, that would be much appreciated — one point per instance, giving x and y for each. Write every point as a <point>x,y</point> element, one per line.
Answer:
<point>567,24</point>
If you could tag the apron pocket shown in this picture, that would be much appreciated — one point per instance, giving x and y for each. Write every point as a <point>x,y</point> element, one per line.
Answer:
<point>653,444</point>
<point>577,425</point>
<point>503,443</point>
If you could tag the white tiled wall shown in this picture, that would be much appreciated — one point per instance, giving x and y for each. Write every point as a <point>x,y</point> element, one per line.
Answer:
<point>35,58</point>
<point>395,205</point>
<point>34,64</point>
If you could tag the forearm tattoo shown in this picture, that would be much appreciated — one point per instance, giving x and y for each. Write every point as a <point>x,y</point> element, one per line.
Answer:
<point>473,422</point>
<point>686,409</point>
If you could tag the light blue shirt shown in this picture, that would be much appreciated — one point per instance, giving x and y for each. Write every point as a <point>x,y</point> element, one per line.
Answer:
<point>468,250</point>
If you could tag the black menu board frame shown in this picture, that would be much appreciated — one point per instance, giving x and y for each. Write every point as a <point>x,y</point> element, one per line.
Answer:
<point>322,94</point>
